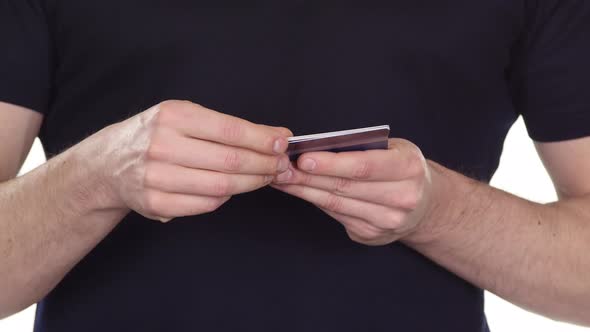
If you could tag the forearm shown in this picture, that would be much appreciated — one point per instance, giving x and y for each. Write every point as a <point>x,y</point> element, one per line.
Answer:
<point>531,254</point>
<point>49,219</point>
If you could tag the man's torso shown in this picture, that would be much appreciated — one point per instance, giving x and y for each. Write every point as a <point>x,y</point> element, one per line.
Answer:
<point>435,71</point>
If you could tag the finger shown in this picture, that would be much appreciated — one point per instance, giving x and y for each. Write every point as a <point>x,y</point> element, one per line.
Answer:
<point>285,132</point>
<point>377,215</point>
<point>182,180</point>
<point>199,122</point>
<point>401,161</point>
<point>399,194</point>
<point>361,231</point>
<point>170,205</point>
<point>195,153</point>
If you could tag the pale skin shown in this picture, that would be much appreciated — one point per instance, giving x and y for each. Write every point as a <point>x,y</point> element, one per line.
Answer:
<point>531,254</point>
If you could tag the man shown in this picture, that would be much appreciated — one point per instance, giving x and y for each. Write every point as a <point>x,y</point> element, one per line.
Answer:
<point>403,239</point>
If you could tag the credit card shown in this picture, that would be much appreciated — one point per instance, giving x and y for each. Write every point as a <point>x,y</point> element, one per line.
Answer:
<point>360,139</point>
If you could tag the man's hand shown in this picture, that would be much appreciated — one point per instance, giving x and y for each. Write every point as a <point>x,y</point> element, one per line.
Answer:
<point>179,158</point>
<point>379,196</point>
<point>525,252</point>
<point>175,159</point>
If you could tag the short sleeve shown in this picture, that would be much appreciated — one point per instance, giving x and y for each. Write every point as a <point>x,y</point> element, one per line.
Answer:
<point>550,72</point>
<point>24,54</point>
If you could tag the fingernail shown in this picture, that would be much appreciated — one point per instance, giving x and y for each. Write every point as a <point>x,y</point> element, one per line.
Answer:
<point>268,178</point>
<point>285,176</point>
<point>283,165</point>
<point>308,164</point>
<point>278,146</point>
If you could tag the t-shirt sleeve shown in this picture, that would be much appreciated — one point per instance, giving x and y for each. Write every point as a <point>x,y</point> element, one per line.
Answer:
<point>550,72</point>
<point>24,54</point>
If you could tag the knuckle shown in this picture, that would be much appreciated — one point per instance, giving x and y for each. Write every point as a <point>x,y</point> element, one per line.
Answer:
<point>332,203</point>
<point>392,199</point>
<point>306,179</point>
<point>416,163</point>
<point>288,132</point>
<point>151,203</point>
<point>169,112</point>
<point>232,161</point>
<point>364,235</point>
<point>213,204</point>
<point>150,176</point>
<point>167,104</point>
<point>418,169</point>
<point>165,220</point>
<point>353,236</point>
<point>156,150</point>
<point>412,197</point>
<point>342,185</point>
<point>222,187</point>
<point>231,130</point>
<point>264,180</point>
<point>173,104</point>
<point>409,203</point>
<point>164,117</point>
<point>362,170</point>
<point>285,131</point>
<point>272,164</point>
<point>393,219</point>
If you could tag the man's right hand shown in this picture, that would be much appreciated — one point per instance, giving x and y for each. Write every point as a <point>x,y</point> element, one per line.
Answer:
<point>179,158</point>
<point>174,159</point>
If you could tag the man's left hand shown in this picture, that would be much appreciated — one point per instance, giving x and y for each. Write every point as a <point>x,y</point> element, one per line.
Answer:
<point>379,196</point>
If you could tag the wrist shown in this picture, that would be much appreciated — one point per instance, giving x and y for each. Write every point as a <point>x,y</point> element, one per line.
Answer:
<point>83,171</point>
<point>447,199</point>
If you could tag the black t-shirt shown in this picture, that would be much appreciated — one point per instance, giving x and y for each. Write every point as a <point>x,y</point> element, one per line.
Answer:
<point>451,76</point>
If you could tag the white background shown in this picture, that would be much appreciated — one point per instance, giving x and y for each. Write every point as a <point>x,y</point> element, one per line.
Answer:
<point>520,173</point>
